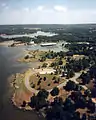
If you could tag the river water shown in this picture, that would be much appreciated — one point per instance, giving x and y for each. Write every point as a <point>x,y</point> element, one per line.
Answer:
<point>9,66</point>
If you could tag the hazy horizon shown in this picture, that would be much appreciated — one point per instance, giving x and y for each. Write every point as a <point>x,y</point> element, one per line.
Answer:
<point>48,24</point>
<point>14,12</point>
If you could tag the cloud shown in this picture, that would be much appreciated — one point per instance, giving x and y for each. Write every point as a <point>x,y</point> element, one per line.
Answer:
<point>60,8</point>
<point>26,9</point>
<point>44,15</point>
<point>3,4</point>
<point>7,7</point>
<point>40,8</point>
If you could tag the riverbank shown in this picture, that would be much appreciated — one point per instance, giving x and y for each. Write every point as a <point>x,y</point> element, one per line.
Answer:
<point>21,86</point>
<point>9,66</point>
<point>6,43</point>
<point>21,93</point>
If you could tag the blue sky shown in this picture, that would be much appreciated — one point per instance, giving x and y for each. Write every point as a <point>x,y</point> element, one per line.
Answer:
<point>47,11</point>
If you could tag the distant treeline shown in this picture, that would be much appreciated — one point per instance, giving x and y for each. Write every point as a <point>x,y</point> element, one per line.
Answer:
<point>70,33</point>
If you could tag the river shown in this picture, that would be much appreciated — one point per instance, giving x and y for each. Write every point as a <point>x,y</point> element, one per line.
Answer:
<point>9,66</point>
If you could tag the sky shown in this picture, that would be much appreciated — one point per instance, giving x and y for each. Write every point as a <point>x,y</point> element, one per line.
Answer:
<point>47,11</point>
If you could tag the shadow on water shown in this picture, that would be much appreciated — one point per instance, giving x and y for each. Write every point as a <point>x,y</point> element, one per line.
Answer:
<point>9,66</point>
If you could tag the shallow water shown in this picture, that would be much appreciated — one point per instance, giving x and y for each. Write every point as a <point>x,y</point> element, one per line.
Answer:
<point>9,66</point>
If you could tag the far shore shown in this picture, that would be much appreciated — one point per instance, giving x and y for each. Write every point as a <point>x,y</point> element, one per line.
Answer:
<point>6,43</point>
<point>12,43</point>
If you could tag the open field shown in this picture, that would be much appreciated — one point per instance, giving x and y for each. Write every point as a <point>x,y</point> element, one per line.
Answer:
<point>47,84</point>
<point>34,55</point>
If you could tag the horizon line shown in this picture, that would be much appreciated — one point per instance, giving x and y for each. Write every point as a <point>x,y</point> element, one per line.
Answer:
<point>52,24</point>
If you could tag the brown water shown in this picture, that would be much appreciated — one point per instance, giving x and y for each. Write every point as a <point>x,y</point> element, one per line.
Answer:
<point>9,66</point>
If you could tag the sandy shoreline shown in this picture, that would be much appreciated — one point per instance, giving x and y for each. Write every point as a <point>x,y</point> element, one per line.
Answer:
<point>6,43</point>
<point>12,43</point>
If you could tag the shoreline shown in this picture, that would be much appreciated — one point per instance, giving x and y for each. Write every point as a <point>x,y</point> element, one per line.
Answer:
<point>26,91</point>
<point>12,43</point>
<point>10,67</point>
<point>6,43</point>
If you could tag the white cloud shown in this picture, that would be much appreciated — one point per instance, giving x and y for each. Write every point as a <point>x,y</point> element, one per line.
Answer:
<point>7,7</point>
<point>26,9</point>
<point>3,4</point>
<point>40,8</point>
<point>60,8</point>
<point>43,15</point>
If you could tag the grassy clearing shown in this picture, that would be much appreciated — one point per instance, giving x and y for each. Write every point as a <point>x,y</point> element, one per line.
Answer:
<point>47,84</point>
<point>36,56</point>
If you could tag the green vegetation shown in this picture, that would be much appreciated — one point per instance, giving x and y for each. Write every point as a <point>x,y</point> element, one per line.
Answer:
<point>44,65</point>
<point>55,91</point>
<point>81,58</point>
<point>26,57</point>
<point>45,81</point>
<point>39,101</point>
<point>72,86</point>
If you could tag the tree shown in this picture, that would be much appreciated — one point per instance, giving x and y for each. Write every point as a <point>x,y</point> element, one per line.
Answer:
<point>85,78</point>
<point>24,104</point>
<point>58,80</point>
<point>93,91</point>
<point>76,116</point>
<point>44,65</point>
<point>26,57</point>
<point>92,71</point>
<point>56,72</point>
<point>81,102</point>
<point>33,86</point>
<point>54,78</point>
<point>83,117</point>
<point>37,102</point>
<point>39,88</point>
<point>79,99</point>
<point>44,78</point>
<point>56,111</point>
<point>69,105</point>
<point>58,101</point>
<point>70,86</point>
<point>70,74</point>
<point>91,106</point>
<point>60,62</point>
<point>55,91</point>
<point>78,87</point>
<point>87,93</point>
<point>43,93</point>
<point>54,64</point>
<point>39,81</point>
<point>48,84</point>
<point>33,101</point>
<point>43,59</point>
